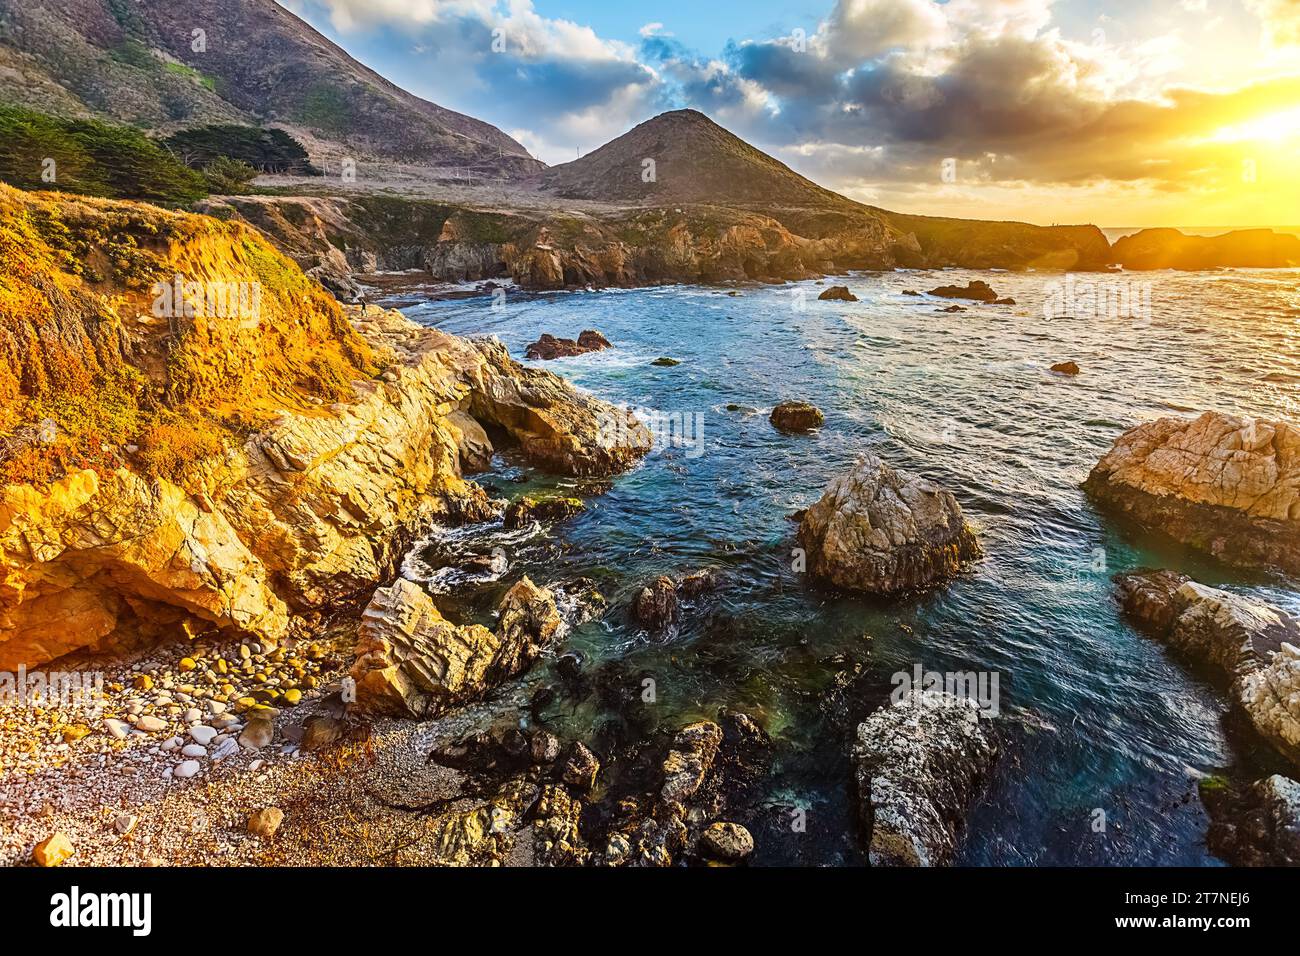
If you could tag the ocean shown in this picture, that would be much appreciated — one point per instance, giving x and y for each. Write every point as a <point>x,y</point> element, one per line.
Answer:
<point>1094,717</point>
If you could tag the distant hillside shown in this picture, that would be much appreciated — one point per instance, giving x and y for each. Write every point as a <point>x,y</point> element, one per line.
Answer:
<point>695,161</point>
<point>134,61</point>
<point>980,244</point>
<point>1171,249</point>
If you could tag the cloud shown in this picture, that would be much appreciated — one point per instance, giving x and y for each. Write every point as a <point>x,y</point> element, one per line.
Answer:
<point>1280,18</point>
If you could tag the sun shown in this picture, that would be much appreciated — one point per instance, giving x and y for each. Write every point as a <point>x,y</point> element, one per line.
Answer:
<point>1272,127</point>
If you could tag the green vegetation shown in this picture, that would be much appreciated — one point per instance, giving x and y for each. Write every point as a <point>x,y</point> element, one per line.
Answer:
<point>326,108</point>
<point>91,158</point>
<point>266,150</point>
<point>228,177</point>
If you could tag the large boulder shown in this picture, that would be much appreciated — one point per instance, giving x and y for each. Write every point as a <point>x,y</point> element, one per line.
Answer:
<point>412,662</point>
<point>882,531</point>
<point>1224,484</point>
<point>977,291</point>
<point>838,293</point>
<point>797,417</point>
<point>1253,645</point>
<point>919,764</point>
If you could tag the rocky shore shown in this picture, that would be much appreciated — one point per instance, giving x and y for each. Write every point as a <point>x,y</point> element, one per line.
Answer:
<point>1223,484</point>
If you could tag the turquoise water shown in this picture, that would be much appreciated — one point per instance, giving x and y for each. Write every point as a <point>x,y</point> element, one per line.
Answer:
<point>1093,715</point>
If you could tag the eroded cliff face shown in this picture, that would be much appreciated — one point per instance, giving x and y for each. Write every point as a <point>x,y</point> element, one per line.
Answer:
<point>287,495</point>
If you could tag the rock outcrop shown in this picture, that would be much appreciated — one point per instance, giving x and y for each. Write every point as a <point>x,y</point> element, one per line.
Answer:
<point>1171,249</point>
<point>837,293</point>
<point>1224,484</point>
<point>412,662</point>
<point>287,458</point>
<point>882,531</point>
<point>1251,644</point>
<point>977,291</point>
<point>548,347</point>
<point>919,764</point>
<point>1258,825</point>
<point>657,606</point>
<point>797,417</point>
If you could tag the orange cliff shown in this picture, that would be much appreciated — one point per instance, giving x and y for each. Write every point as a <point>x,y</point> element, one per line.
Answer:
<point>166,469</point>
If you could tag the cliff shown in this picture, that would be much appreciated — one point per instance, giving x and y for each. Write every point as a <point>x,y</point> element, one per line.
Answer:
<point>228,468</point>
<point>1243,249</point>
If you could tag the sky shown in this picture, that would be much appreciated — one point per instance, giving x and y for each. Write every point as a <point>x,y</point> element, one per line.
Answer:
<point>1162,113</point>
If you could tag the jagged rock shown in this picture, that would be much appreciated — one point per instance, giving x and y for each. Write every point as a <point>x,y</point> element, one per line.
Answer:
<point>797,417</point>
<point>556,426</point>
<point>656,604</point>
<point>919,765</point>
<point>1226,485</point>
<point>411,662</point>
<point>693,751</point>
<point>977,291</point>
<point>1259,826</point>
<point>549,347</point>
<point>472,442</point>
<point>665,362</point>
<point>1252,644</point>
<point>526,510</point>
<point>838,293</point>
<point>581,768</point>
<point>727,841</point>
<point>1066,368</point>
<point>881,531</point>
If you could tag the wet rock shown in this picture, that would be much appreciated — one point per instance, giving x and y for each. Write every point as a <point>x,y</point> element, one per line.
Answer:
<point>797,417</point>
<point>548,347</point>
<point>882,531</point>
<point>729,842</point>
<point>526,510</point>
<point>838,293</point>
<point>412,662</point>
<point>693,751</point>
<point>53,851</point>
<point>1066,368</point>
<point>665,362</point>
<point>1256,826</point>
<point>919,765</point>
<point>1223,484</point>
<point>544,747</point>
<point>977,291</point>
<point>656,604</point>
<point>581,768</point>
<point>953,308</point>
<point>1250,643</point>
<point>264,823</point>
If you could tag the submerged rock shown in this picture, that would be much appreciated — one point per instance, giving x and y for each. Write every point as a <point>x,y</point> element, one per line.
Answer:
<point>882,531</point>
<point>1250,643</point>
<point>919,765</point>
<point>797,417</point>
<point>665,362</point>
<point>1224,484</point>
<point>549,347</point>
<point>838,293</point>
<point>412,662</point>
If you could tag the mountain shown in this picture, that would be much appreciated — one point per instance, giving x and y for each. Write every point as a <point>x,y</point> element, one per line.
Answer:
<point>1243,249</point>
<point>695,161</point>
<point>141,62</point>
